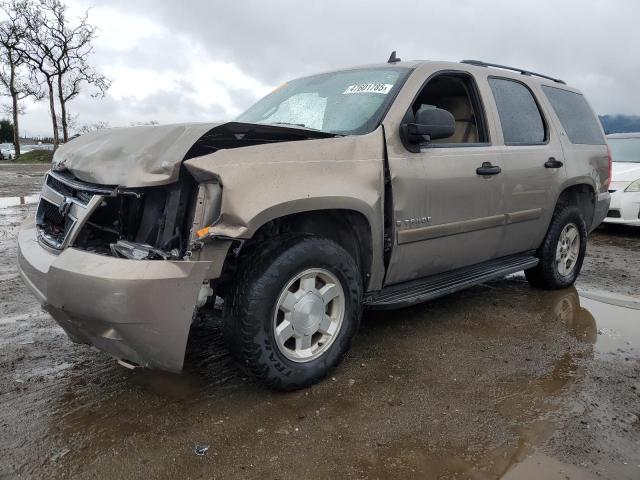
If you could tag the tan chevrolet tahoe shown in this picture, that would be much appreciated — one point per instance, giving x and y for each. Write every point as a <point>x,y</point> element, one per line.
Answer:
<point>372,187</point>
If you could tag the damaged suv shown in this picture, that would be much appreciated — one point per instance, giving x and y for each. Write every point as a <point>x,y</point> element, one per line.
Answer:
<point>371,187</point>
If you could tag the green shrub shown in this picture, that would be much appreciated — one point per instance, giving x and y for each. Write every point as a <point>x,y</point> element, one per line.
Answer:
<point>36,156</point>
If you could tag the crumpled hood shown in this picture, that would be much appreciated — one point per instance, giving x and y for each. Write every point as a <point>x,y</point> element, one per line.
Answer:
<point>130,157</point>
<point>625,171</point>
<point>152,155</point>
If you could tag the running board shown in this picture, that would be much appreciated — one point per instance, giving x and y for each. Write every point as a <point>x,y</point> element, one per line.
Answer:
<point>421,290</point>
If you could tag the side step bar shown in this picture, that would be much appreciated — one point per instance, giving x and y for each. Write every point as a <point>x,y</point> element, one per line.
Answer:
<point>421,290</point>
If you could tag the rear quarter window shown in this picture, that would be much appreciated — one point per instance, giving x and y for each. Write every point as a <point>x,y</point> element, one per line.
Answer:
<point>519,115</point>
<point>575,115</point>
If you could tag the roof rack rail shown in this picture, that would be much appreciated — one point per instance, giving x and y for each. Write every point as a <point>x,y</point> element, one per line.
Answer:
<point>479,63</point>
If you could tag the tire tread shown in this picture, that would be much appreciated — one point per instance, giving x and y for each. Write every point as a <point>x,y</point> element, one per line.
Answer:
<point>257,272</point>
<point>545,275</point>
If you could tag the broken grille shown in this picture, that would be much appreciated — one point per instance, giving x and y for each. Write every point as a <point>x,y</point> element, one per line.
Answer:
<point>80,195</point>
<point>53,226</point>
<point>65,203</point>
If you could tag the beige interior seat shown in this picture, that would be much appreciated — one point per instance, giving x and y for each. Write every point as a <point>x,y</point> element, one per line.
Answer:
<point>466,128</point>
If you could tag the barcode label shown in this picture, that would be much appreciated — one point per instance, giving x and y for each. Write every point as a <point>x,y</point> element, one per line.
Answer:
<point>382,88</point>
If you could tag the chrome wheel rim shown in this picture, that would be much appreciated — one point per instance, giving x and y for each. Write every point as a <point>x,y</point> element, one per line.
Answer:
<point>308,315</point>
<point>568,249</point>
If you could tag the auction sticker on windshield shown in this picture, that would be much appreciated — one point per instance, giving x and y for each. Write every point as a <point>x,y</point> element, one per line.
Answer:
<point>383,88</point>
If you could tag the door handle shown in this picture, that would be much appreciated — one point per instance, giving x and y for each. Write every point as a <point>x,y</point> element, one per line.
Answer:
<point>552,163</point>
<point>488,169</point>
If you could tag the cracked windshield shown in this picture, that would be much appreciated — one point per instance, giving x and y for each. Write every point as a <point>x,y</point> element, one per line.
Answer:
<point>348,102</point>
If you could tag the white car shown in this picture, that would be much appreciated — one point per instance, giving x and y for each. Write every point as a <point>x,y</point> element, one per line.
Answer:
<point>7,153</point>
<point>625,182</point>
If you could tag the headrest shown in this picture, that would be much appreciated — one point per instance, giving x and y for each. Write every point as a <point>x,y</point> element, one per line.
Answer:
<point>459,107</point>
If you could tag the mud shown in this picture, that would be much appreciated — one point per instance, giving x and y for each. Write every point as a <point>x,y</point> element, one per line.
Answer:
<point>18,180</point>
<point>498,381</point>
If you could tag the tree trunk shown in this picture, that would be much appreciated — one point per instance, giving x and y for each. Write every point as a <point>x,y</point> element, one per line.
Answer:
<point>14,106</point>
<point>16,130</point>
<point>52,109</point>
<point>63,111</point>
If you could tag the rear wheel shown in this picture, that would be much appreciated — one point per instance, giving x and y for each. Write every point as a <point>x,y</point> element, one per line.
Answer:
<point>295,310</point>
<point>562,251</point>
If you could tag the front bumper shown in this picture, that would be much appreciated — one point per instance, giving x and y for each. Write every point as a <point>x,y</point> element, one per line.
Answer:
<point>139,311</point>
<point>626,207</point>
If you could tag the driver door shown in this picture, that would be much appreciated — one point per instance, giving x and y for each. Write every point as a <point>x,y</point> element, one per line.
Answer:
<point>445,214</point>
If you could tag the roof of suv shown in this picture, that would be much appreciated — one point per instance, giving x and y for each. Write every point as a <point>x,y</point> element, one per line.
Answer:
<point>624,135</point>
<point>472,65</point>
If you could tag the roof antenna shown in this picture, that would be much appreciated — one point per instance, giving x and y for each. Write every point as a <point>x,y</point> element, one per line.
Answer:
<point>393,58</point>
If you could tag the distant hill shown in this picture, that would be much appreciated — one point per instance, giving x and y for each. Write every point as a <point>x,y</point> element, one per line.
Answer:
<point>620,123</point>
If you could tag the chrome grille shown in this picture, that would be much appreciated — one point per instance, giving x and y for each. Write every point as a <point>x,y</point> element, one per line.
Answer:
<point>65,204</point>
<point>67,191</point>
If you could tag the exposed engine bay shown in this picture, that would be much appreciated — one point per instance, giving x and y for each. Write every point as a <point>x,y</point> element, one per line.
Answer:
<point>142,224</point>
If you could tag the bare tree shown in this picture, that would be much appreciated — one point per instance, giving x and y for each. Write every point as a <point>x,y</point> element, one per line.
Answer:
<point>58,53</point>
<point>38,48</point>
<point>142,124</point>
<point>13,81</point>
<point>86,128</point>
<point>73,43</point>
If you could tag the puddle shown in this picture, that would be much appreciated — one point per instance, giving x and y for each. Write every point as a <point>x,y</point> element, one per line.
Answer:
<point>618,321</point>
<point>611,322</point>
<point>618,327</point>
<point>466,386</point>
<point>17,201</point>
<point>538,466</point>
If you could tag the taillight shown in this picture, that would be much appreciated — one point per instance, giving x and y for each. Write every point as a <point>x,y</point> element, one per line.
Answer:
<point>608,180</point>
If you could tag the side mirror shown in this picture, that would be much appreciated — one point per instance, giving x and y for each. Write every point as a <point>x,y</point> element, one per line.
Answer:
<point>430,124</point>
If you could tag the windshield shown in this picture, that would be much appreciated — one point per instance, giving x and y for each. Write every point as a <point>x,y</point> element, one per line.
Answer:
<point>348,102</point>
<point>625,149</point>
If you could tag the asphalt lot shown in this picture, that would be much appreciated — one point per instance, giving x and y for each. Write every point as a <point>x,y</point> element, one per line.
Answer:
<point>498,381</point>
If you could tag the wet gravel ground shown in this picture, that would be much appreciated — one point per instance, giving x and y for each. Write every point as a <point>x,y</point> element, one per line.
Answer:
<point>498,381</point>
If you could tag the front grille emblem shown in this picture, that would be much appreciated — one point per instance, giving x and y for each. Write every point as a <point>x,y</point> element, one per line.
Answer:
<point>65,206</point>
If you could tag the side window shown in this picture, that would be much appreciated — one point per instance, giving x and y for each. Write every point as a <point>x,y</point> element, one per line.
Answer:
<point>455,93</point>
<point>520,117</point>
<point>575,115</point>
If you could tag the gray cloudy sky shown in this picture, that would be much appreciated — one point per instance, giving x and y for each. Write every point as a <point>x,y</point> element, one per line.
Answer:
<point>189,60</point>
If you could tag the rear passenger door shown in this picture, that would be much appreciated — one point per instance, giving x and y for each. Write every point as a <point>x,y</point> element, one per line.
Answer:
<point>533,163</point>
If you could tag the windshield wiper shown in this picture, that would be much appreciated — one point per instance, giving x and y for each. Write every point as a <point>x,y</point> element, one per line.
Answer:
<point>302,125</point>
<point>299,125</point>
<point>292,124</point>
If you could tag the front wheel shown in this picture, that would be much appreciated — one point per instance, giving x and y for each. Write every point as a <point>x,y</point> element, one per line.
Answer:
<point>562,251</point>
<point>295,310</point>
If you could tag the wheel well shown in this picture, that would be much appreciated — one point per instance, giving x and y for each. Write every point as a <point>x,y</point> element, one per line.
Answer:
<point>348,228</point>
<point>583,197</point>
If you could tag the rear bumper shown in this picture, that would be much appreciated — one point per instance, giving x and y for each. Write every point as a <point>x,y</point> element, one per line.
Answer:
<point>139,311</point>
<point>626,205</point>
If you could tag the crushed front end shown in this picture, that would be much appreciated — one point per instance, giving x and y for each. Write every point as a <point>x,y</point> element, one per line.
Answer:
<point>115,267</point>
<point>114,252</point>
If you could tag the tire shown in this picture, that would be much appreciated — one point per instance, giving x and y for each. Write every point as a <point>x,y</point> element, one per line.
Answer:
<point>550,274</point>
<point>268,293</point>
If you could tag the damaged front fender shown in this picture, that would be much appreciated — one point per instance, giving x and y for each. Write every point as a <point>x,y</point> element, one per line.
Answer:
<point>264,182</point>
